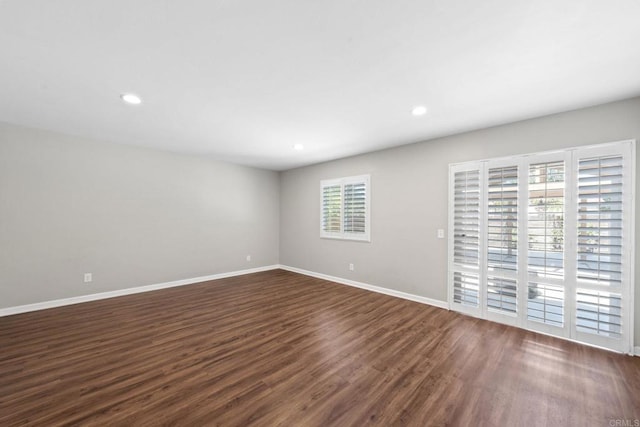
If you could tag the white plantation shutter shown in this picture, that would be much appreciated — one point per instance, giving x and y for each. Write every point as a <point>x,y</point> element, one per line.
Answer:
<point>466,220</point>
<point>600,221</point>
<point>545,304</point>
<point>546,220</point>
<point>600,245</point>
<point>544,241</point>
<point>345,208</point>
<point>502,239</point>
<point>355,202</point>
<point>502,219</point>
<point>466,288</point>
<point>331,208</point>
<point>466,238</point>
<point>501,294</point>
<point>545,253</point>
<point>599,313</point>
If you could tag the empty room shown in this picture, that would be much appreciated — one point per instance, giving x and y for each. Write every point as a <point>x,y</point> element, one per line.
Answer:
<point>330,213</point>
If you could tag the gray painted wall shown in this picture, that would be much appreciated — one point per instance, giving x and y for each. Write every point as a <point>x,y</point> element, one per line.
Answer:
<point>409,198</point>
<point>130,216</point>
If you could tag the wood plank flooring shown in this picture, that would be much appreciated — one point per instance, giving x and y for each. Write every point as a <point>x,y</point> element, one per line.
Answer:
<point>282,349</point>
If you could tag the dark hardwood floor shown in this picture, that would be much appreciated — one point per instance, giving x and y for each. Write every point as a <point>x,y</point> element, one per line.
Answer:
<point>278,348</point>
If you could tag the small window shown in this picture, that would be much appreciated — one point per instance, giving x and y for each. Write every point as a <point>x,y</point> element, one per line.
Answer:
<point>344,208</point>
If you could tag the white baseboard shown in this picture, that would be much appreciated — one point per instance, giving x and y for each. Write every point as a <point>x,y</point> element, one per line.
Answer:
<point>120,292</point>
<point>378,289</point>
<point>636,351</point>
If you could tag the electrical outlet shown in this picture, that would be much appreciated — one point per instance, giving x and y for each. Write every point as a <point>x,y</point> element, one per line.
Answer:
<point>248,258</point>
<point>440,233</point>
<point>351,267</point>
<point>88,277</point>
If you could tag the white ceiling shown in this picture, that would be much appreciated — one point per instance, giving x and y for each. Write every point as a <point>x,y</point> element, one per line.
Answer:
<point>245,80</point>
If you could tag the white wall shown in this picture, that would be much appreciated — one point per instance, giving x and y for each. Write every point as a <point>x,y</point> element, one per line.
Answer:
<point>130,216</point>
<point>409,198</point>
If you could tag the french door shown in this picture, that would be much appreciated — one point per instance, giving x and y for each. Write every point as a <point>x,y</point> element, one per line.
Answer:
<point>544,242</point>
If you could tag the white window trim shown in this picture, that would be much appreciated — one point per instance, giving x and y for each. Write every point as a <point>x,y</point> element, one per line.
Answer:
<point>627,343</point>
<point>342,235</point>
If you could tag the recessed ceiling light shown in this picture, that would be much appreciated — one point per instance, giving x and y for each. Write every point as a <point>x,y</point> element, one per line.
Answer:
<point>131,98</point>
<point>419,110</point>
<point>298,147</point>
